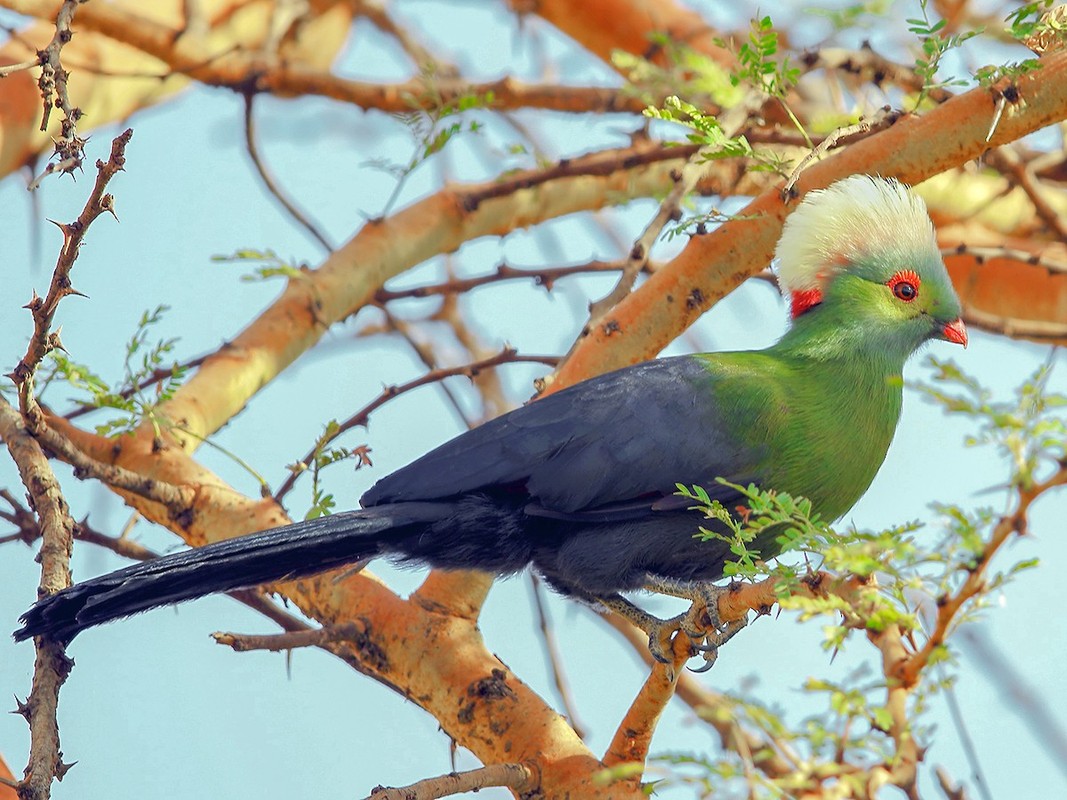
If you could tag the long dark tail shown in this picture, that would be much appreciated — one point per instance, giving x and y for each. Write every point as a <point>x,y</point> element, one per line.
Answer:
<point>293,551</point>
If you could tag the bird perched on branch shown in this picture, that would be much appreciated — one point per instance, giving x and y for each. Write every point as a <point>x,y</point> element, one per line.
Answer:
<point>581,485</point>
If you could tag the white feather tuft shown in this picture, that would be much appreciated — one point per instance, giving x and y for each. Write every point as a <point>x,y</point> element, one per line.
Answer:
<point>856,217</point>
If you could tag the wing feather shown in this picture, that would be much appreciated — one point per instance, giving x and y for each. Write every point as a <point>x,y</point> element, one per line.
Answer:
<point>617,438</point>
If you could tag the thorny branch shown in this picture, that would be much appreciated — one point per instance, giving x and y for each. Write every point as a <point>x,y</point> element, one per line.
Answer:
<point>69,147</point>
<point>51,665</point>
<point>544,276</point>
<point>44,340</point>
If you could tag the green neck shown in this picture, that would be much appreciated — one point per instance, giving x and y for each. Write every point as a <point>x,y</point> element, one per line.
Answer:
<point>842,381</point>
<point>830,334</point>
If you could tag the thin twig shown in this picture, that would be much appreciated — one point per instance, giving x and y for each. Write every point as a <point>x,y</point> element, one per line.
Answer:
<point>552,657</point>
<point>670,208</point>
<point>966,742</point>
<point>545,276</point>
<point>517,777</point>
<point>985,254</point>
<point>11,69</point>
<point>154,377</point>
<point>291,639</point>
<point>421,57</point>
<point>426,355</point>
<point>272,185</point>
<point>506,356</point>
<point>885,118</point>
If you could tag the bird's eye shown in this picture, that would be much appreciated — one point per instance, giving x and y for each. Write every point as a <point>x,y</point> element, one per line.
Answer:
<point>904,285</point>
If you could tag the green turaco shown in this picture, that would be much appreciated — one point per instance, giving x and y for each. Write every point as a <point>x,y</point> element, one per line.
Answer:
<point>581,485</point>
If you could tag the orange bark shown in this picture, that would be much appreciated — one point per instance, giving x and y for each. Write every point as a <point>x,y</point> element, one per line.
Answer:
<point>1018,299</point>
<point>7,792</point>
<point>603,26</point>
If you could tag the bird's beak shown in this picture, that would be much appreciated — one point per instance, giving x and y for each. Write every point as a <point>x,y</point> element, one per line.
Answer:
<point>955,332</point>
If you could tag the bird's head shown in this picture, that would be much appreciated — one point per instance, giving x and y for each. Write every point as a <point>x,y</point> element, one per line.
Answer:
<point>866,247</point>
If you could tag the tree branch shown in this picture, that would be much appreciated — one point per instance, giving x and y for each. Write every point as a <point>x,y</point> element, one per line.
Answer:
<point>51,666</point>
<point>517,777</point>
<point>43,339</point>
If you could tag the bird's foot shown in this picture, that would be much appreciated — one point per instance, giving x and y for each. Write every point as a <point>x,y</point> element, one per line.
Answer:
<point>701,623</point>
<point>660,631</point>
<point>661,636</point>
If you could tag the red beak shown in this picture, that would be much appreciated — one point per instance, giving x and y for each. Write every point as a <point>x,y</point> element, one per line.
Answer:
<point>955,332</point>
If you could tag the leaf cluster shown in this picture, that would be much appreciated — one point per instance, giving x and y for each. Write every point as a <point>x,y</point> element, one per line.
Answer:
<point>324,455</point>
<point>150,378</point>
<point>271,265</point>
<point>935,46</point>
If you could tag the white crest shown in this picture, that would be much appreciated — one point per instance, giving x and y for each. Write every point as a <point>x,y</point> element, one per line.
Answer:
<point>855,217</point>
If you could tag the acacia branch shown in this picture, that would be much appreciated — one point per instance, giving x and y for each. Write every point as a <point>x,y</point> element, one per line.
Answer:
<point>43,340</point>
<point>69,147</point>
<point>203,59</point>
<point>517,777</point>
<point>633,736</point>
<point>51,665</point>
<point>908,670</point>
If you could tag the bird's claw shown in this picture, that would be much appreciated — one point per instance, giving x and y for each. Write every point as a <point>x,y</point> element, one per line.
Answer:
<point>661,639</point>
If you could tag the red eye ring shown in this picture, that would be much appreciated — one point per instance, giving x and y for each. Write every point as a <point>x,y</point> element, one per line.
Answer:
<point>904,285</point>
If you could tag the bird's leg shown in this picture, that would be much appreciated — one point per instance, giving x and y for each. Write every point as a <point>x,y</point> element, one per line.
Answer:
<point>701,622</point>
<point>659,630</point>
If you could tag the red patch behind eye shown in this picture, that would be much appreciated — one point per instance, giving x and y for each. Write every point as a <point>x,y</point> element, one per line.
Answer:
<point>803,300</point>
<point>905,285</point>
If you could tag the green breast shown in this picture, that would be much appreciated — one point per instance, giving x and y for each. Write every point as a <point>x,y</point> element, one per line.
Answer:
<point>821,427</point>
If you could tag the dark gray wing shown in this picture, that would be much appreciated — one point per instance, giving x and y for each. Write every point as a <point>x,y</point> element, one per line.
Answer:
<point>623,436</point>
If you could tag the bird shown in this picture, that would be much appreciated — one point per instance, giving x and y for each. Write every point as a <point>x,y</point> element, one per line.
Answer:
<point>581,485</point>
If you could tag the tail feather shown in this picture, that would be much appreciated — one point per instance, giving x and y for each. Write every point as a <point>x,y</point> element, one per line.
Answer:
<point>294,551</point>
